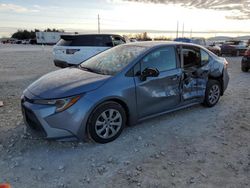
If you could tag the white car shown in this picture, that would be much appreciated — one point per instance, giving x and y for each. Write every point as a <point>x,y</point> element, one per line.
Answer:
<point>71,50</point>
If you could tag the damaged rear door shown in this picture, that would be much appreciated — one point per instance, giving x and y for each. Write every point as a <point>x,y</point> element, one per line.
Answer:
<point>195,66</point>
<point>160,93</point>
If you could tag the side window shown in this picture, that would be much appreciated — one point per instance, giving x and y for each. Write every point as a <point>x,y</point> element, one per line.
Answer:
<point>117,40</point>
<point>101,41</point>
<point>163,59</point>
<point>204,57</point>
<point>191,57</point>
<point>91,40</point>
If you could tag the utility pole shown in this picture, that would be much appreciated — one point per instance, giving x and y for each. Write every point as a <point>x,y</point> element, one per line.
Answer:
<point>177,31</point>
<point>98,24</point>
<point>183,30</point>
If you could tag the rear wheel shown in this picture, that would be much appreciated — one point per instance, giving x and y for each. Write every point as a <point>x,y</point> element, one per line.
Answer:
<point>213,93</point>
<point>106,122</point>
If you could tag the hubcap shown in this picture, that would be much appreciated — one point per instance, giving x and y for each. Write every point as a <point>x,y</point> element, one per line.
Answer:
<point>214,94</point>
<point>108,123</point>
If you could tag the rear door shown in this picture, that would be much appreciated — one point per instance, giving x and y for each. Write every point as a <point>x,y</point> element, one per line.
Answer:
<point>158,94</point>
<point>195,72</point>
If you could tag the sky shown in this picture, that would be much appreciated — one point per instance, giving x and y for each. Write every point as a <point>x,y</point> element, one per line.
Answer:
<point>128,16</point>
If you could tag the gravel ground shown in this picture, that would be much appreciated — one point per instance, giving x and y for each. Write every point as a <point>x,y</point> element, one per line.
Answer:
<point>194,147</point>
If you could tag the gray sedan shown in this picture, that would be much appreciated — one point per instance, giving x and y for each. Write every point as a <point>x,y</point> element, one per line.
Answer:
<point>122,86</point>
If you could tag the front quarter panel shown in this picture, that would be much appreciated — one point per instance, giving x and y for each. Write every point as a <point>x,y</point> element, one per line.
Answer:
<point>118,88</point>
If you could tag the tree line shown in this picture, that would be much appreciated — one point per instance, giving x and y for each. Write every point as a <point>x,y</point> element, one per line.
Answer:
<point>25,34</point>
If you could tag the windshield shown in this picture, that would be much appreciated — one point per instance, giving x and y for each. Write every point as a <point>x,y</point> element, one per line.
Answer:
<point>113,60</point>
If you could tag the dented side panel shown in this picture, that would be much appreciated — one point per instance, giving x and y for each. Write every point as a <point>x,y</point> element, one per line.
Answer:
<point>196,78</point>
<point>195,81</point>
<point>158,94</point>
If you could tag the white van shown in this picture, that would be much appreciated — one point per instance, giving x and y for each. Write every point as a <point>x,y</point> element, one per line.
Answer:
<point>71,50</point>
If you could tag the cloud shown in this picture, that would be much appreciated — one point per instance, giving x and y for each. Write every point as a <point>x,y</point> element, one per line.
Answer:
<point>239,9</point>
<point>16,8</point>
<point>37,6</point>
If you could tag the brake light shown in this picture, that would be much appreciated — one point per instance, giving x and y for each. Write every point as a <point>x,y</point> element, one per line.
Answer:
<point>72,51</point>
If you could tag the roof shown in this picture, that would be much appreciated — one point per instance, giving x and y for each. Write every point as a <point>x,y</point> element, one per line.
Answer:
<point>159,43</point>
<point>73,36</point>
<point>81,35</point>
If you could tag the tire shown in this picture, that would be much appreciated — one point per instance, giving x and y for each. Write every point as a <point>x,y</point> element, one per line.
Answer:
<point>106,122</point>
<point>213,93</point>
<point>244,69</point>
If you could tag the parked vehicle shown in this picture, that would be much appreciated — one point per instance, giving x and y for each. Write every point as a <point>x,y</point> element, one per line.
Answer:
<point>32,41</point>
<point>123,85</point>
<point>214,48</point>
<point>50,38</point>
<point>133,40</point>
<point>72,50</point>
<point>245,62</point>
<point>201,41</point>
<point>234,48</point>
<point>17,42</point>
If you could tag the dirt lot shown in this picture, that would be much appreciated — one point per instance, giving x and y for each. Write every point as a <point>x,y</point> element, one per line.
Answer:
<point>195,147</point>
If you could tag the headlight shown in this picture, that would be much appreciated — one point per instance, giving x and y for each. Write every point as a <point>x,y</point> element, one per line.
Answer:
<point>60,104</point>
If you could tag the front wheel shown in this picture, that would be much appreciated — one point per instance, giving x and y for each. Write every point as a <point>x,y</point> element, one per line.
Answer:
<point>106,122</point>
<point>213,93</point>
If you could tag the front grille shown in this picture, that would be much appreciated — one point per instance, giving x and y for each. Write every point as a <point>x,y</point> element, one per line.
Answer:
<point>33,122</point>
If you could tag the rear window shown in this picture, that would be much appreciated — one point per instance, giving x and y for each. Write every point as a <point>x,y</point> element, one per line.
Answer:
<point>88,40</point>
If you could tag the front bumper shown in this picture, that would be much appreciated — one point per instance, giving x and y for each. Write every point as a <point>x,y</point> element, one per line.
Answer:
<point>44,122</point>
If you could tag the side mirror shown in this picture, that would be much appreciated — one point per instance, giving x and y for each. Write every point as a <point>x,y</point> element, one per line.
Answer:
<point>149,72</point>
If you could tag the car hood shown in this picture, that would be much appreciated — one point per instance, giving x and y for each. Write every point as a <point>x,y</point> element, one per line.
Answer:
<point>66,82</point>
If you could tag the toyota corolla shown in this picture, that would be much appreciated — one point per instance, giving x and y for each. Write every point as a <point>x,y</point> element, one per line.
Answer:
<point>122,86</point>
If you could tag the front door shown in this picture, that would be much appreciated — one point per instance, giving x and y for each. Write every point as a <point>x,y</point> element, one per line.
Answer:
<point>161,93</point>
